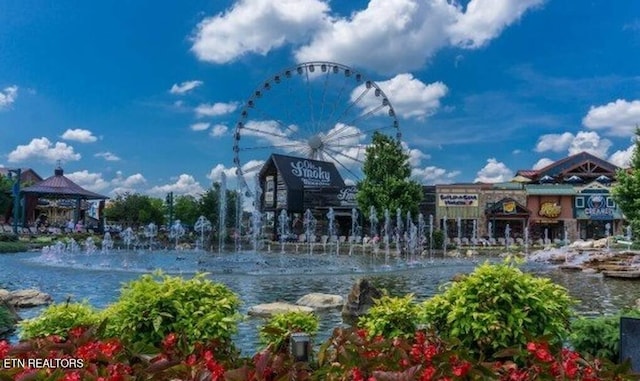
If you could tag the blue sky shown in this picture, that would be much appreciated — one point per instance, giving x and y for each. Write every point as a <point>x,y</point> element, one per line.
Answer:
<point>144,96</point>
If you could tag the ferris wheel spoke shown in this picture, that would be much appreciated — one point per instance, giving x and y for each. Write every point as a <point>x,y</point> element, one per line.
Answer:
<point>359,146</point>
<point>346,110</point>
<point>266,116</point>
<point>345,155</point>
<point>345,82</point>
<point>266,133</point>
<point>359,133</point>
<point>324,95</point>
<point>297,144</point>
<point>342,165</point>
<point>365,115</point>
<point>252,168</point>
<point>310,95</point>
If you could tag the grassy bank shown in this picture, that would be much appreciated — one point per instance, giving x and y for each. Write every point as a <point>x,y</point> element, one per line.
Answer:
<point>12,247</point>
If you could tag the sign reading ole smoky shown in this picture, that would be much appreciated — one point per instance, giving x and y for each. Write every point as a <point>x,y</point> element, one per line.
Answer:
<point>458,199</point>
<point>310,174</point>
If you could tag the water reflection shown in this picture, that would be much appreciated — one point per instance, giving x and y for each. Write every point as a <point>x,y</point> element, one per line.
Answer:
<point>90,279</point>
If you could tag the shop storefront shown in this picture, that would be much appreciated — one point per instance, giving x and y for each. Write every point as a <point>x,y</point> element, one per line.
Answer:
<point>552,218</point>
<point>507,218</point>
<point>596,212</point>
<point>458,211</point>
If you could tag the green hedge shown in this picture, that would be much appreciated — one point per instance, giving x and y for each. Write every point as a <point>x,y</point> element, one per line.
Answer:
<point>12,247</point>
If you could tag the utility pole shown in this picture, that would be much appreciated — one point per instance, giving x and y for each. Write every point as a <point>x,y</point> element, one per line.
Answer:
<point>169,200</point>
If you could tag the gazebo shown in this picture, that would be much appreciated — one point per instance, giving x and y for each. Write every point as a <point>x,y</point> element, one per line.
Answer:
<point>58,187</point>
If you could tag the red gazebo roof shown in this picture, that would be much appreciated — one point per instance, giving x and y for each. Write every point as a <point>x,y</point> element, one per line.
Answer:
<point>60,186</point>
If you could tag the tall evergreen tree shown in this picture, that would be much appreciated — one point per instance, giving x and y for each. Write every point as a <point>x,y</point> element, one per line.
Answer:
<point>387,183</point>
<point>626,191</point>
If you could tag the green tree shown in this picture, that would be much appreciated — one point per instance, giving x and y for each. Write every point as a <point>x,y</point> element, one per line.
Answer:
<point>135,210</point>
<point>186,209</point>
<point>209,206</point>
<point>6,198</point>
<point>386,183</point>
<point>627,188</point>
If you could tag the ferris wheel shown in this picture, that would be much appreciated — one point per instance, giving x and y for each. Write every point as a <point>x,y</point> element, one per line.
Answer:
<point>317,110</point>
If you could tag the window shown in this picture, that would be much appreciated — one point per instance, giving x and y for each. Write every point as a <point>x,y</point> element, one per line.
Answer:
<point>579,202</point>
<point>610,202</point>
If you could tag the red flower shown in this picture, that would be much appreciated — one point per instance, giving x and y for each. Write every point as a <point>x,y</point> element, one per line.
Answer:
<point>4,349</point>
<point>76,332</point>
<point>461,369</point>
<point>428,373</point>
<point>356,374</point>
<point>72,376</point>
<point>169,341</point>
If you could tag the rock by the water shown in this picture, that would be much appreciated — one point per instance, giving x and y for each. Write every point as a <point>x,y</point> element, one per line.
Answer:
<point>320,301</point>
<point>580,244</point>
<point>360,299</point>
<point>270,309</point>
<point>25,298</point>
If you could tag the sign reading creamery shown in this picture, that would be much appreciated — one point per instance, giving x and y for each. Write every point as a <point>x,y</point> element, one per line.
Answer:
<point>458,199</point>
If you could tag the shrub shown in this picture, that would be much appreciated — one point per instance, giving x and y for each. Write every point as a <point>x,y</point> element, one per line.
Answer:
<point>278,328</point>
<point>153,306</point>
<point>58,319</point>
<point>12,247</point>
<point>599,336</point>
<point>7,320</point>
<point>391,317</point>
<point>498,306</point>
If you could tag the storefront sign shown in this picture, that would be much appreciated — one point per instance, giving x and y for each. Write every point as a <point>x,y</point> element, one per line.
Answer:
<point>597,208</point>
<point>550,210</point>
<point>509,207</point>
<point>458,199</point>
<point>347,196</point>
<point>310,174</point>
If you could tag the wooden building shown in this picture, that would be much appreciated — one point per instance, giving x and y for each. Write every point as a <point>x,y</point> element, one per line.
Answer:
<point>296,184</point>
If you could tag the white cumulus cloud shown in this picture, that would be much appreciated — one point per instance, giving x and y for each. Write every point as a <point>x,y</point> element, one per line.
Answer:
<point>89,180</point>
<point>494,172</point>
<point>411,98</point>
<point>590,142</point>
<point>128,184</point>
<point>8,96</point>
<point>218,130</point>
<point>432,175</point>
<point>215,109</point>
<point>184,87</point>
<point>108,156</point>
<point>554,142</point>
<point>401,35</point>
<point>200,126</point>
<point>587,141</point>
<point>622,158</point>
<point>388,36</point>
<point>484,20</point>
<point>619,118</point>
<point>184,185</point>
<point>257,26</point>
<point>43,149</point>
<point>79,135</point>
<point>542,163</point>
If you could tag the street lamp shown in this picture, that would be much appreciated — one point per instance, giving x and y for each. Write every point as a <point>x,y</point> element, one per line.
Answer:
<point>16,196</point>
